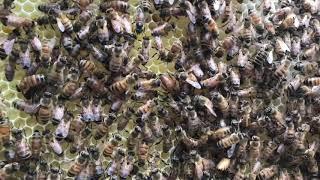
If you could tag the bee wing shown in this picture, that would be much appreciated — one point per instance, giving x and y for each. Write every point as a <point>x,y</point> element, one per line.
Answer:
<point>192,80</point>
<point>209,105</point>
<point>222,7</point>
<point>8,45</point>
<point>117,25</point>
<point>157,1</point>
<point>60,25</point>
<point>270,57</point>
<point>216,5</point>
<point>33,109</point>
<point>126,24</point>
<point>296,22</point>
<point>171,2</point>
<point>283,45</point>
<point>192,16</point>
<point>36,43</point>
<point>52,43</point>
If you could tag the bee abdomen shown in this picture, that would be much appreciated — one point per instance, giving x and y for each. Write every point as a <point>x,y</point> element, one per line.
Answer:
<point>314,81</point>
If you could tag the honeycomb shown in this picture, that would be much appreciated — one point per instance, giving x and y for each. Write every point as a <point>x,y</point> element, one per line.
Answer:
<point>28,8</point>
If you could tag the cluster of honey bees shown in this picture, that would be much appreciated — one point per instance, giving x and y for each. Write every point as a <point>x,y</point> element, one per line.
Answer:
<point>243,102</point>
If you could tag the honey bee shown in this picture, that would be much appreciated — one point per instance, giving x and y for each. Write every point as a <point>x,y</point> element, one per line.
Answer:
<point>127,167</point>
<point>172,11</point>
<point>132,139</point>
<point>103,32</point>
<point>10,19</point>
<point>254,149</point>
<point>117,58</point>
<point>282,70</point>
<point>209,22</point>
<point>115,20</point>
<point>259,59</point>
<point>294,85</point>
<point>246,34</point>
<point>55,173</point>
<point>142,152</point>
<point>214,81</point>
<point>220,102</point>
<point>147,107</point>
<point>43,170</point>
<point>112,145</point>
<point>115,165</point>
<point>281,48</point>
<point>44,114</point>
<point>163,29</point>
<point>139,20</point>
<point>202,101</point>
<point>270,28</point>
<point>257,21</point>
<point>71,85</point>
<point>64,23</point>
<point>175,51</point>
<point>63,127</point>
<point>52,143</point>
<point>311,52</point>
<point>7,47</point>
<point>169,83</point>
<point>5,130</point>
<point>145,49</point>
<point>8,170</point>
<point>228,141</point>
<point>103,128</point>
<point>30,82</point>
<point>147,85</point>
<point>219,133</point>
<point>96,85</point>
<point>234,78</point>
<point>295,46</point>
<point>22,147</point>
<point>36,144</point>
<point>290,22</point>
<point>56,75</point>
<point>268,172</point>
<point>76,126</point>
<point>120,6</point>
<point>310,6</point>
<point>46,50</point>
<point>316,26</point>
<point>190,142</point>
<point>84,32</point>
<point>79,165</point>
<point>10,67</point>
<point>126,114</point>
<point>26,107</point>
<point>123,85</point>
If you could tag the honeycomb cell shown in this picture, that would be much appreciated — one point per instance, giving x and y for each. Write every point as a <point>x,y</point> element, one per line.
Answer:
<point>3,86</point>
<point>28,7</point>
<point>10,95</point>
<point>17,121</point>
<point>23,14</point>
<point>28,130</point>
<point>31,121</point>
<point>17,7</point>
